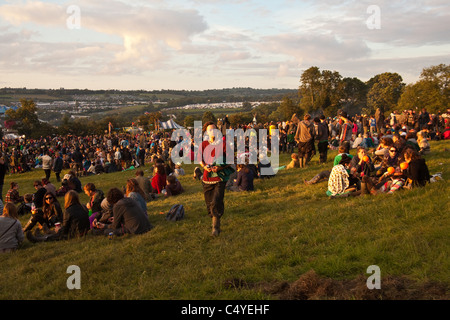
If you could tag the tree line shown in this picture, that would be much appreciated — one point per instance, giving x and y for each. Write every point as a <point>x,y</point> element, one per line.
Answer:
<point>320,92</point>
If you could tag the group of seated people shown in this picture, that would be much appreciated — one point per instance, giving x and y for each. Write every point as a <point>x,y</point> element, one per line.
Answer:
<point>118,212</point>
<point>396,163</point>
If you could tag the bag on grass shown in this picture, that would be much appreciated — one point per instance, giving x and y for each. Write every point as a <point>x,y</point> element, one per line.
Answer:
<point>175,213</point>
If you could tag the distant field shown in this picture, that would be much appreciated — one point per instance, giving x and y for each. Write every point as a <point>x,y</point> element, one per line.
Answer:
<point>285,240</point>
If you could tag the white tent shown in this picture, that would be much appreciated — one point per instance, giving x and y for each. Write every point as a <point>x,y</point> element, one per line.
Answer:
<point>170,124</point>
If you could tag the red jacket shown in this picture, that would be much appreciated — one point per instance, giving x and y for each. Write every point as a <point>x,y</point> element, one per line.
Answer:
<point>159,182</point>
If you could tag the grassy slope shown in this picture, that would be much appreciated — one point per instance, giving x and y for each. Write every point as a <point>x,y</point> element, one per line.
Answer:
<point>278,232</point>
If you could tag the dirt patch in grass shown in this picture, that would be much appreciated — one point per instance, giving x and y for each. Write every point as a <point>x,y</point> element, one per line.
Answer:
<point>311,286</point>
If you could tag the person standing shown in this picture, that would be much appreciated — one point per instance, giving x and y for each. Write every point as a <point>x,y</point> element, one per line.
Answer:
<point>58,166</point>
<point>47,162</point>
<point>379,119</point>
<point>346,132</point>
<point>321,135</point>
<point>215,176</point>
<point>305,140</point>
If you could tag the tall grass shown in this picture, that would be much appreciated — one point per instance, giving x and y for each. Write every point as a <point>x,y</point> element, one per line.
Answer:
<point>277,233</point>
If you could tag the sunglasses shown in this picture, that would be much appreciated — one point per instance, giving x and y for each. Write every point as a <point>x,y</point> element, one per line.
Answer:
<point>49,198</point>
<point>392,150</point>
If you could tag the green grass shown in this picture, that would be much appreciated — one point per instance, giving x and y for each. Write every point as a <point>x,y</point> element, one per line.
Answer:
<point>276,233</point>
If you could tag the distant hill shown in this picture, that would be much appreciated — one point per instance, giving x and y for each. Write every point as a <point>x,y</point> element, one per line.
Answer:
<point>173,98</point>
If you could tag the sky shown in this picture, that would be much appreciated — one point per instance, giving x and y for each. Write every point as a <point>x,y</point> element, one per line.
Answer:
<point>211,44</point>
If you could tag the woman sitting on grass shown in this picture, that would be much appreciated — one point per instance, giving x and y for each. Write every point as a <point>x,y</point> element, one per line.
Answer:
<point>392,159</point>
<point>417,173</point>
<point>159,179</point>
<point>11,234</point>
<point>46,217</point>
<point>134,191</point>
<point>75,221</point>
<point>339,183</point>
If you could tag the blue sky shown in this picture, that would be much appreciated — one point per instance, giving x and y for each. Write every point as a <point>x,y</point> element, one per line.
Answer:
<point>208,44</point>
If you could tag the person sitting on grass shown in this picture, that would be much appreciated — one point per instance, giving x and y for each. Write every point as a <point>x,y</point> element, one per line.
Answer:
<point>392,159</point>
<point>96,197</point>
<point>339,183</point>
<point>423,143</point>
<point>134,191</point>
<point>65,187</point>
<point>159,179</point>
<point>13,194</point>
<point>325,175</point>
<point>417,173</point>
<point>75,221</point>
<point>244,180</point>
<point>361,165</point>
<point>25,207</point>
<point>11,234</point>
<point>128,216</point>
<point>392,180</point>
<point>173,186</point>
<point>295,163</point>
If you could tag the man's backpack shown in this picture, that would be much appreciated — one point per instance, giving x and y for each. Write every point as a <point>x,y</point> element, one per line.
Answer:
<point>175,213</point>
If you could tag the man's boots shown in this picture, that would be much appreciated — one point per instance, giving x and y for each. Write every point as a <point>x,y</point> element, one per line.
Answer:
<point>215,226</point>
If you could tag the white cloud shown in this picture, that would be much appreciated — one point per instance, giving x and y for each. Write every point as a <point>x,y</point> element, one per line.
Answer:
<point>219,42</point>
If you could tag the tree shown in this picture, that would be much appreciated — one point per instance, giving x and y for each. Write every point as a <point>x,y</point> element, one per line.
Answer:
<point>189,122</point>
<point>354,95</point>
<point>286,109</point>
<point>385,91</point>
<point>320,91</point>
<point>432,91</point>
<point>309,90</point>
<point>208,116</point>
<point>247,106</point>
<point>26,120</point>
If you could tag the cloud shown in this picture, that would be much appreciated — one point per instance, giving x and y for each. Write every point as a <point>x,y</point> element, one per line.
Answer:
<point>149,34</point>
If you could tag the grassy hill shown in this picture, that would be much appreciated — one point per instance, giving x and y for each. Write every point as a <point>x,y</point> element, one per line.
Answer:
<point>285,240</point>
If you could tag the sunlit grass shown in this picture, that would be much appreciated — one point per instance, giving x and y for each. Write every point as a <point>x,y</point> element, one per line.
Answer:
<point>276,233</point>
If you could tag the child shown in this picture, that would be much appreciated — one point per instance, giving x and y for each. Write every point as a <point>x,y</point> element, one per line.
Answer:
<point>25,207</point>
<point>173,186</point>
<point>179,171</point>
<point>295,163</point>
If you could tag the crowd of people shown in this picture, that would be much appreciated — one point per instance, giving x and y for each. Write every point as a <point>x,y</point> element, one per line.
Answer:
<point>389,156</point>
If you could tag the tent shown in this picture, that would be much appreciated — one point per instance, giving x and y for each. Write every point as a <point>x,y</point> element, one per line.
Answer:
<point>170,124</point>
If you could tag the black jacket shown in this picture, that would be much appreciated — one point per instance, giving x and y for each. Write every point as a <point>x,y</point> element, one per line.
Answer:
<point>75,221</point>
<point>58,164</point>
<point>129,216</point>
<point>418,172</point>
